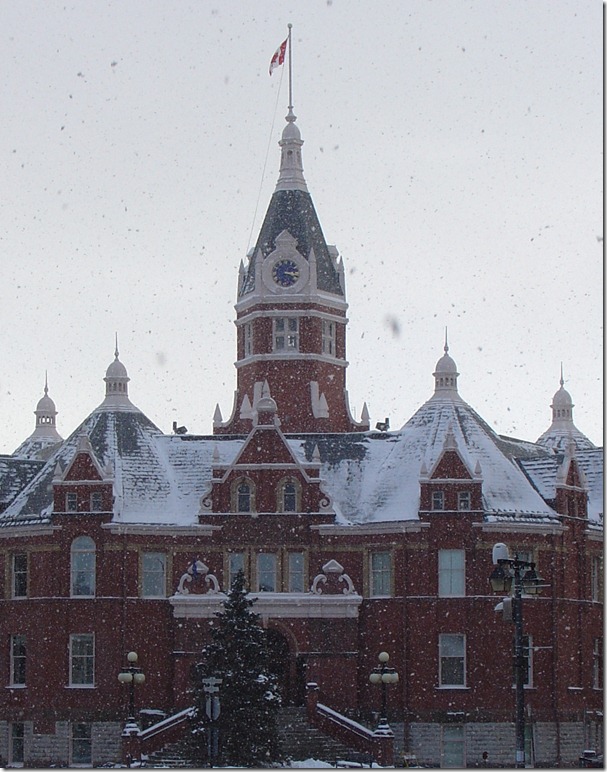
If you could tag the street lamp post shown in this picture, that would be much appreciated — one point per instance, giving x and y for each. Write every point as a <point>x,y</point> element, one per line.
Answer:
<point>383,674</point>
<point>131,675</point>
<point>506,576</point>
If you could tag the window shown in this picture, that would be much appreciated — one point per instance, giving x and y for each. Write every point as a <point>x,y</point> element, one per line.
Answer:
<point>452,660</point>
<point>83,567</point>
<point>596,589</point>
<point>328,337</point>
<point>17,663</point>
<point>20,575</point>
<point>464,500</point>
<point>266,572</point>
<point>96,502</point>
<point>248,339</point>
<point>451,573</point>
<point>16,751</point>
<point>286,334</point>
<point>438,500</point>
<point>244,496</point>
<point>381,574</point>
<point>81,751</point>
<point>453,747</point>
<point>235,564</point>
<point>296,572</point>
<point>71,502</point>
<point>527,661</point>
<point>597,663</point>
<point>153,575</point>
<point>288,496</point>
<point>82,660</point>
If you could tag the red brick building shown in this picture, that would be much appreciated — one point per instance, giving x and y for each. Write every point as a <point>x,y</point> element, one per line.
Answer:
<point>353,540</point>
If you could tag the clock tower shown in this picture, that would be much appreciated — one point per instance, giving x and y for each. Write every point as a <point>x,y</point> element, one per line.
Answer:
<point>291,315</point>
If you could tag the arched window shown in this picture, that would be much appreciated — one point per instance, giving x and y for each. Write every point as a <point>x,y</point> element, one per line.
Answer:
<point>83,567</point>
<point>243,495</point>
<point>288,495</point>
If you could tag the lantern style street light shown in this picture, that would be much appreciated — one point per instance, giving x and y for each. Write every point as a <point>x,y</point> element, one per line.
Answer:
<point>131,675</point>
<point>383,674</point>
<point>516,576</point>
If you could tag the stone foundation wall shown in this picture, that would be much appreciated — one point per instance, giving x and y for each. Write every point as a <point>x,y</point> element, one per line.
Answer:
<point>498,741</point>
<point>44,750</point>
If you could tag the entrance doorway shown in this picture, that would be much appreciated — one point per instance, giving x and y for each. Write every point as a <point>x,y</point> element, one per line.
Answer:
<point>288,669</point>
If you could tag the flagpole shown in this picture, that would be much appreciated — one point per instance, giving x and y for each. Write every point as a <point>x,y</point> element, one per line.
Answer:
<point>290,26</point>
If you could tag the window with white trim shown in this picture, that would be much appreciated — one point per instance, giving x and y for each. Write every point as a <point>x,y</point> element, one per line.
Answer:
<point>153,575</point>
<point>18,660</point>
<point>451,573</point>
<point>296,572</point>
<point>452,659</point>
<point>328,337</point>
<point>527,661</point>
<point>71,502</point>
<point>83,567</point>
<point>82,659</point>
<point>380,564</point>
<point>464,500</point>
<point>19,583</point>
<point>266,572</point>
<point>243,495</point>
<point>438,500</point>
<point>96,501</point>
<point>597,663</point>
<point>286,333</point>
<point>596,579</point>
<point>235,564</point>
<point>81,751</point>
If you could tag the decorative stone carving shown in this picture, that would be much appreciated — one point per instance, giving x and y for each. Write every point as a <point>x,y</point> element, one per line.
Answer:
<point>333,574</point>
<point>198,570</point>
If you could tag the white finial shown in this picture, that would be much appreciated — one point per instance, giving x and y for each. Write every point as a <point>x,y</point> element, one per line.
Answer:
<point>562,379</point>
<point>116,351</point>
<point>446,348</point>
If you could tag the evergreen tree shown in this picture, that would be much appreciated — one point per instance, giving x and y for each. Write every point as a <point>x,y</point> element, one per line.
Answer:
<point>248,693</point>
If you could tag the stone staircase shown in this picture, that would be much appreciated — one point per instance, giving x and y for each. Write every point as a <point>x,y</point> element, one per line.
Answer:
<point>299,740</point>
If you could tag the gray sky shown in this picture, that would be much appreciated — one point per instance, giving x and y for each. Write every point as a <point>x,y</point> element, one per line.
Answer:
<point>453,151</point>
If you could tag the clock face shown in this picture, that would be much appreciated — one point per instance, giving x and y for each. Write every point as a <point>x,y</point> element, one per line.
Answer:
<point>285,272</point>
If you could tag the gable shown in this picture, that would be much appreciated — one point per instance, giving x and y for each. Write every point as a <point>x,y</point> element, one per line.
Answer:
<point>450,467</point>
<point>82,468</point>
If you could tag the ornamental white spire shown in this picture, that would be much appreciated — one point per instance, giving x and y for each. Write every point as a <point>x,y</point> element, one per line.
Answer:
<point>445,374</point>
<point>291,166</point>
<point>116,386</point>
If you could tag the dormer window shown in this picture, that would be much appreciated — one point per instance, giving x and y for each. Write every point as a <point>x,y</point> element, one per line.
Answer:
<point>243,496</point>
<point>286,334</point>
<point>96,502</point>
<point>438,500</point>
<point>288,495</point>
<point>464,500</point>
<point>71,502</point>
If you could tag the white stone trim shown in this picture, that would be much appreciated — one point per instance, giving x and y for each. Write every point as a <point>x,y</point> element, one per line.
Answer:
<point>272,605</point>
<point>292,355</point>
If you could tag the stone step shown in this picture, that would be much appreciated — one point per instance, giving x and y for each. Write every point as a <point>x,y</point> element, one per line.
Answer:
<point>299,740</point>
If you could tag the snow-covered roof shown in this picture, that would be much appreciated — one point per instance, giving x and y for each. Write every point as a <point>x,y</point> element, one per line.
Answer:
<point>543,471</point>
<point>370,477</point>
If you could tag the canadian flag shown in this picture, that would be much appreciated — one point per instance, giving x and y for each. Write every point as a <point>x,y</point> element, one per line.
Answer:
<point>279,56</point>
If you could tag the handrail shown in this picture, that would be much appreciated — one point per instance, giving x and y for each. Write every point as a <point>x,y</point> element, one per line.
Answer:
<point>347,723</point>
<point>165,724</point>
